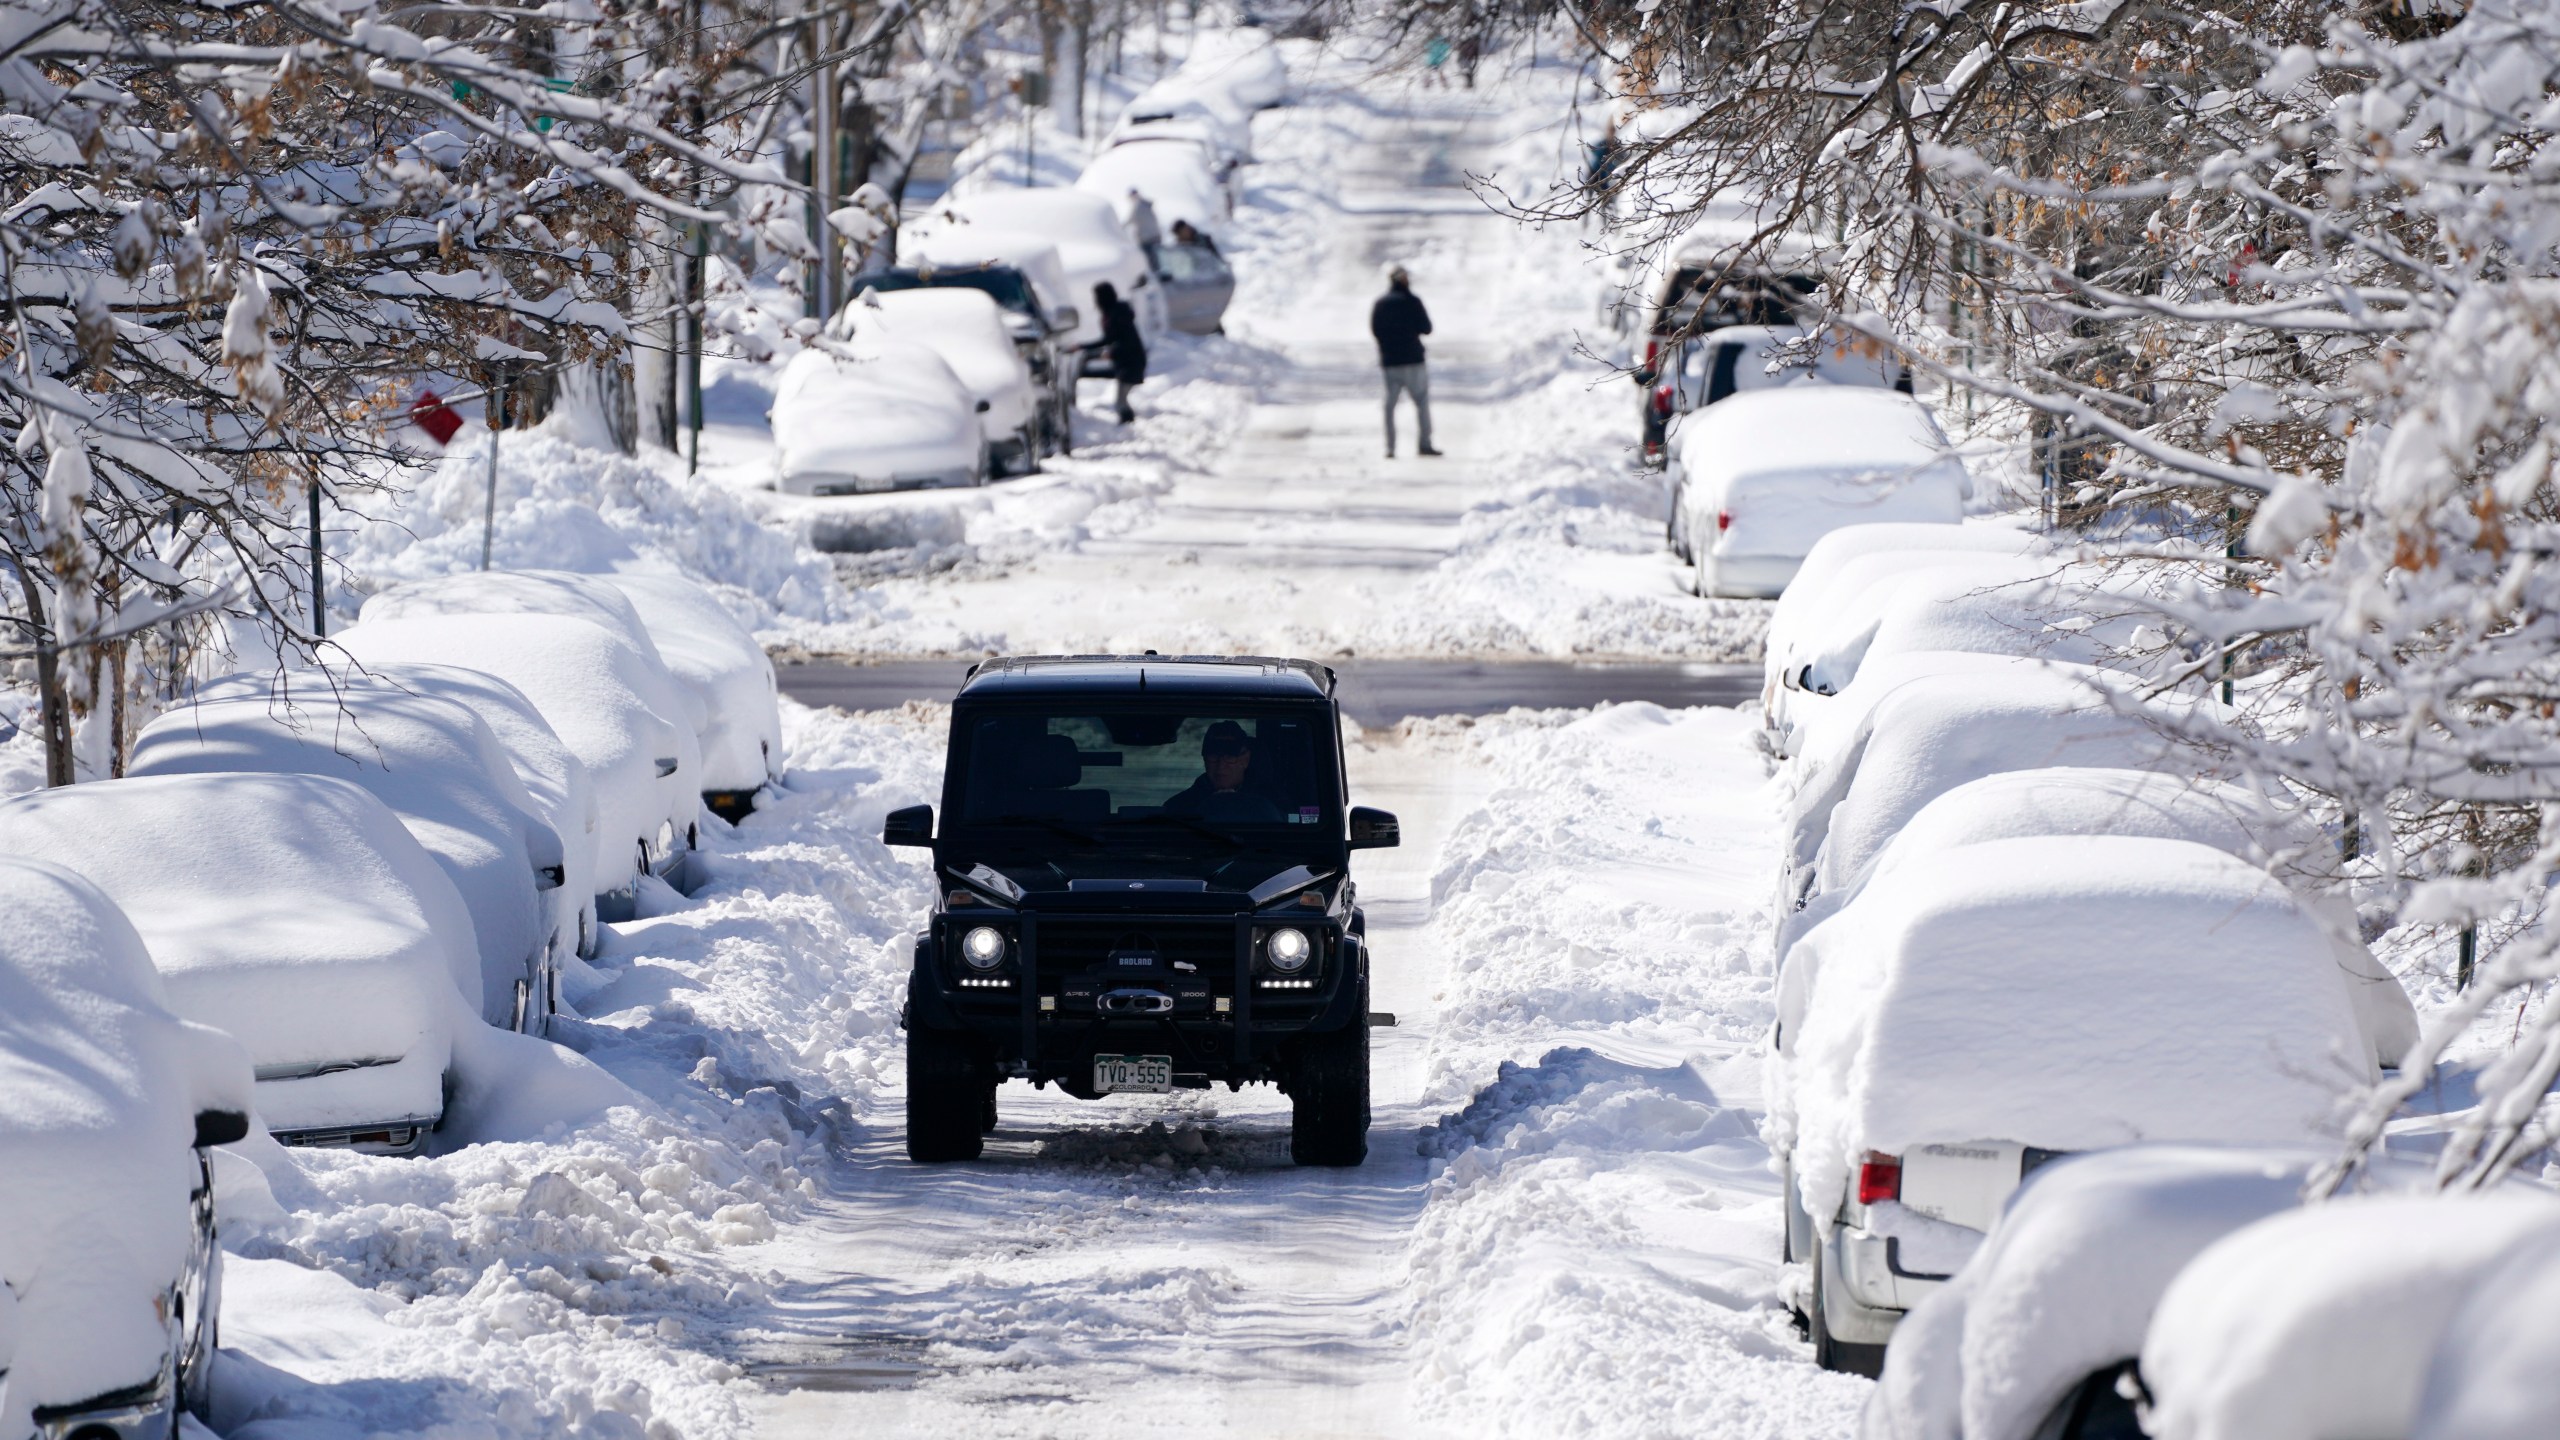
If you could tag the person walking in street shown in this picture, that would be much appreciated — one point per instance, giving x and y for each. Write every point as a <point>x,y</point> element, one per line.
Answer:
<point>1399,322</point>
<point>1128,349</point>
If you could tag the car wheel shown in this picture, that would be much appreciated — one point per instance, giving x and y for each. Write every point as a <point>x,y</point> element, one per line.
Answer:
<point>1329,1098</point>
<point>1030,449</point>
<point>946,1097</point>
<point>1845,1356</point>
<point>987,1122</point>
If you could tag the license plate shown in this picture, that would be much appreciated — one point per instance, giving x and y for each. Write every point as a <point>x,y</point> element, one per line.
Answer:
<point>1145,1074</point>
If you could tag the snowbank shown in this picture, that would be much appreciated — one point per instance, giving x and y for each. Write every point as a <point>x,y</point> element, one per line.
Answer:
<point>2319,1322</point>
<point>2066,993</point>
<point>99,1089</point>
<point>720,664</point>
<point>593,689</point>
<point>437,766</point>
<point>293,911</point>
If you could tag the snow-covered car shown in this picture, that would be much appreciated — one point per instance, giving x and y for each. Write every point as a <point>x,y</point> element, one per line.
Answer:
<point>2495,1374</point>
<point>553,778</point>
<point>966,328</point>
<point>1764,476</point>
<point>1022,275</point>
<point>571,593</point>
<point>294,912</point>
<point>1176,107</point>
<point>440,769</point>
<point>1843,563</point>
<point>887,415</point>
<point>594,690</point>
<point>1982,1011</point>
<point>2322,1321</point>
<point>2094,800</point>
<point>1740,358</point>
<point>110,1274</point>
<point>1692,286</point>
<point>2030,605</point>
<point>711,654</point>
<point>1093,244</point>
<point>2033,1337</point>
<point>1931,734</point>
<point>1178,178</point>
<point>1241,60</point>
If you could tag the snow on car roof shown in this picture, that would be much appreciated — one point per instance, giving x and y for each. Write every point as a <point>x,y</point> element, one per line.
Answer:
<point>2069,993</point>
<point>2319,1322</point>
<point>1795,429</point>
<point>719,659</point>
<point>962,326</point>
<point>1084,227</point>
<point>1170,172</point>
<point>1824,575</point>
<point>517,592</point>
<point>289,910</point>
<point>892,401</point>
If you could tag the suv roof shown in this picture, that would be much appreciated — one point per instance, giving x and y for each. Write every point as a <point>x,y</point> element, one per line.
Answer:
<point>1259,675</point>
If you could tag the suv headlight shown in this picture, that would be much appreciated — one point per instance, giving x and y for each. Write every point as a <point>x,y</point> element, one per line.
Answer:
<point>982,948</point>
<point>1287,951</point>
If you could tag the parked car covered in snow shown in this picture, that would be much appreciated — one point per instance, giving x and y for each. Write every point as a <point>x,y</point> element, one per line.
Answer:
<point>1093,244</point>
<point>1023,275</point>
<point>966,328</point>
<point>2322,1321</point>
<point>886,415</point>
<point>1741,358</point>
<point>1981,1012</point>
<point>1692,287</point>
<point>1240,60</point>
<point>440,769</point>
<point>594,690</point>
<point>1178,178</point>
<point>110,1274</point>
<point>2495,1374</point>
<point>1176,107</point>
<point>711,654</point>
<point>1764,476</point>
<point>294,912</point>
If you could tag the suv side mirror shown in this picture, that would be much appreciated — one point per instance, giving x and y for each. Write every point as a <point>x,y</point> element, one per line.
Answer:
<point>220,1127</point>
<point>912,826</point>
<point>1373,829</point>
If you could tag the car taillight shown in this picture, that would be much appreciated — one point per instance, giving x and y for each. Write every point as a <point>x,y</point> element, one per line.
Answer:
<point>1724,521</point>
<point>1652,352</point>
<point>1879,1178</point>
<point>1662,401</point>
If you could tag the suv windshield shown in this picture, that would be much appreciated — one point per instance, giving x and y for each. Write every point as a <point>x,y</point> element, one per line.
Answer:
<point>1259,773</point>
<point>1004,283</point>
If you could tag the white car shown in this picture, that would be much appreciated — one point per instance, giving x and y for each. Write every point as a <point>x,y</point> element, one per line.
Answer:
<point>2029,605</point>
<point>1240,60</point>
<point>2323,1321</point>
<point>966,328</point>
<point>440,769</point>
<point>296,913</point>
<point>1179,106</point>
<point>720,661</point>
<point>110,1274</point>
<point>1737,359</point>
<point>1094,246</point>
<point>594,690</point>
<point>1179,179</point>
<point>1984,1010</point>
<point>1043,304</point>
<point>1763,476</point>
<point>2494,1375</point>
<point>887,414</point>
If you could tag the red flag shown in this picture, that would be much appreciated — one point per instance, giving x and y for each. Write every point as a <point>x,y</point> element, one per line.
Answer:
<point>432,415</point>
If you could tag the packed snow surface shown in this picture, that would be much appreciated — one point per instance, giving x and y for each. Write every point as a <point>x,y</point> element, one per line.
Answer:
<point>294,912</point>
<point>2319,1322</point>
<point>95,1167</point>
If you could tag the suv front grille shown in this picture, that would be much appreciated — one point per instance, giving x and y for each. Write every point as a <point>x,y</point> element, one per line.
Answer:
<point>1069,945</point>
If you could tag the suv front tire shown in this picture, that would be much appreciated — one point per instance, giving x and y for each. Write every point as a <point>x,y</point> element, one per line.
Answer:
<point>1329,1098</point>
<point>947,1097</point>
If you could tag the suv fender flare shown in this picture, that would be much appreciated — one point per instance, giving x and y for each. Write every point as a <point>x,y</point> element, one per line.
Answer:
<point>1350,1002</point>
<point>926,1004</point>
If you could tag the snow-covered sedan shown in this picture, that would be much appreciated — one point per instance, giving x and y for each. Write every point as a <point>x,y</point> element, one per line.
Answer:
<point>1094,246</point>
<point>886,414</point>
<point>710,653</point>
<point>440,769</point>
<point>296,913</point>
<point>1765,475</point>
<point>110,1276</point>
<point>1980,1012</point>
<point>966,328</point>
<point>604,701</point>
<point>1178,178</point>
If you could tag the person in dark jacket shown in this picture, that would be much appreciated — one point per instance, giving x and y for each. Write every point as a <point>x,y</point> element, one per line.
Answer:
<point>1128,349</point>
<point>1399,322</point>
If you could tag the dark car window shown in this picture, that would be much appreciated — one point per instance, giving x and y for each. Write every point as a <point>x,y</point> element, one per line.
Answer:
<point>1002,282</point>
<point>1099,771</point>
<point>1189,265</point>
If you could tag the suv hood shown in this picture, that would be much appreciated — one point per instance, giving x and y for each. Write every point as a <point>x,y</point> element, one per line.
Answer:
<point>1228,884</point>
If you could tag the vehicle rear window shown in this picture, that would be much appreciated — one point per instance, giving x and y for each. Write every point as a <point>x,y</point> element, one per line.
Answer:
<point>1005,285</point>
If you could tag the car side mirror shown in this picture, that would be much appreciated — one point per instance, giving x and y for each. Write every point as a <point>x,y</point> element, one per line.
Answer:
<point>220,1127</point>
<point>550,877</point>
<point>1373,829</point>
<point>1066,317</point>
<point>984,406</point>
<point>912,826</point>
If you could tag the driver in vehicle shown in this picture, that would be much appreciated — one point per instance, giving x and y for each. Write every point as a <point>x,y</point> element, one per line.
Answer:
<point>1226,753</point>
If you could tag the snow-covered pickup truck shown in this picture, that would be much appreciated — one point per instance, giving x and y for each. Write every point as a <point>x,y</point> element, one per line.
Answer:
<point>1142,885</point>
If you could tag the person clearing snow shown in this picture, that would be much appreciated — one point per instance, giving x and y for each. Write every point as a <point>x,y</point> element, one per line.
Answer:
<point>1399,322</point>
<point>1127,348</point>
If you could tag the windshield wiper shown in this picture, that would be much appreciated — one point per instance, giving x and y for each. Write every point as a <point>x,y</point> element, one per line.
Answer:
<point>1186,822</point>
<point>1072,832</point>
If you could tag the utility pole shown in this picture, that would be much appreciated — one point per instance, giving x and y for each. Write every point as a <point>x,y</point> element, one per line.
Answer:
<point>496,406</point>
<point>319,596</point>
<point>825,170</point>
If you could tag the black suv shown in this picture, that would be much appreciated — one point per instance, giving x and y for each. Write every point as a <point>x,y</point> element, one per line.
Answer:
<point>1143,885</point>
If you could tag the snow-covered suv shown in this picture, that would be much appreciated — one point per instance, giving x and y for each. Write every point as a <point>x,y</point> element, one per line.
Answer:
<point>1142,885</point>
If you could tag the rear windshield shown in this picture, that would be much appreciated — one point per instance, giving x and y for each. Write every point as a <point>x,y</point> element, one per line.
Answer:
<point>1267,770</point>
<point>1006,285</point>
